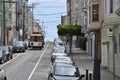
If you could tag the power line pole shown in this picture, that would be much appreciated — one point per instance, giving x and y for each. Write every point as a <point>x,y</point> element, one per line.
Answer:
<point>4,24</point>
<point>32,16</point>
<point>23,35</point>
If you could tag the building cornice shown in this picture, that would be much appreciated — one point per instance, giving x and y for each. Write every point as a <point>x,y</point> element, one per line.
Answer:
<point>112,20</point>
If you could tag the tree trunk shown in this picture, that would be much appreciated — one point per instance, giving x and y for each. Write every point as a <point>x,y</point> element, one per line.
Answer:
<point>70,45</point>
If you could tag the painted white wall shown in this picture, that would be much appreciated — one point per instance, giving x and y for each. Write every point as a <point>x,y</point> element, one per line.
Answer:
<point>104,55</point>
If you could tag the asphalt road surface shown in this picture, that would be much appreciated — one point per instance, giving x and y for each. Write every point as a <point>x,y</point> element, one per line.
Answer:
<point>30,65</point>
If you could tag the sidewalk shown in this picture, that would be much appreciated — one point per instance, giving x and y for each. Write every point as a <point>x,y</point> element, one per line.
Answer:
<point>85,62</point>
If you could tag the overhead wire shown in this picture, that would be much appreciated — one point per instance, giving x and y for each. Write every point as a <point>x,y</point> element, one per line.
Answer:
<point>57,13</point>
<point>46,1</point>
<point>52,6</point>
<point>57,20</point>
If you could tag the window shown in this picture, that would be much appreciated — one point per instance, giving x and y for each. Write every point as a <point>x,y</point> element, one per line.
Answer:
<point>35,38</point>
<point>95,12</point>
<point>111,6</point>
<point>76,22</point>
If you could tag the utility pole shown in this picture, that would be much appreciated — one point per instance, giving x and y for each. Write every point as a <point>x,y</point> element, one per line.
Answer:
<point>97,55</point>
<point>32,16</point>
<point>4,25</point>
<point>23,35</point>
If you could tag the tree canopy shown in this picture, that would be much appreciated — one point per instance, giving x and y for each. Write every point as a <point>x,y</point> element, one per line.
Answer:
<point>69,29</point>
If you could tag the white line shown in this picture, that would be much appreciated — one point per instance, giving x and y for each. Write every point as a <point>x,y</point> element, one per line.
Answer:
<point>37,62</point>
<point>10,60</point>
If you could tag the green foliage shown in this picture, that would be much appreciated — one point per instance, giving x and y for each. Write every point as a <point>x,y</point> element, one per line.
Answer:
<point>61,29</point>
<point>69,29</point>
<point>82,43</point>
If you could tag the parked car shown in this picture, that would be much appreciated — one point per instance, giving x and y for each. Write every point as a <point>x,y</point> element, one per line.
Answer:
<point>54,55</point>
<point>18,46</point>
<point>59,49</point>
<point>63,59</point>
<point>62,71</point>
<point>3,56</point>
<point>2,75</point>
<point>26,43</point>
<point>8,52</point>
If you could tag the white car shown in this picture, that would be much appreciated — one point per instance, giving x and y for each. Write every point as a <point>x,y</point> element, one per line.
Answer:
<point>2,75</point>
<point>54,55</point>
<point>63,59</point>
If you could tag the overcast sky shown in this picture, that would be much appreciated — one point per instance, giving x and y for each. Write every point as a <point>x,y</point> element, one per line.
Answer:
<point>49,12</point>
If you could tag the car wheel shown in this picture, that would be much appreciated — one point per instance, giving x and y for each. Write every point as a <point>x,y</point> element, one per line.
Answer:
<point>2,61</point>
<point>5,59</point>
<point>5,78</point>
<point>49,77</point>
<point>11,57</point>
<point>23,51</point>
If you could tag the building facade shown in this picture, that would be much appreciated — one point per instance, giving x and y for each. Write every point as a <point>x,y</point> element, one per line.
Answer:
<point>76,14</point>
<point>28,22</point>
<point>0,21</point>
<point>111,36</point>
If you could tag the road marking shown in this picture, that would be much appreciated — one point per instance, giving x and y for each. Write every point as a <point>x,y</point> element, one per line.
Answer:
<point>37,62</point>
<point>11,60</point>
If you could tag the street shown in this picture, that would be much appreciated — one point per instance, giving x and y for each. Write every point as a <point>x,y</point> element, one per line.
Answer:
<point>30,65</point>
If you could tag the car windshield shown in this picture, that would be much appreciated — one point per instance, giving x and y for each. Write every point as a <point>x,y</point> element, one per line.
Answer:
<point>61,44</point>
<point>65,71</point>
<point>5,48</point>
<point>0,50</point>
<point>19,44</point>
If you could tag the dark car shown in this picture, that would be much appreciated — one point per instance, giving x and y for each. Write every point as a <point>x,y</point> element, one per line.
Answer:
<point>8,51</point>
<point>3,57</point>
<point>62,71</point>
<point>18,46</point>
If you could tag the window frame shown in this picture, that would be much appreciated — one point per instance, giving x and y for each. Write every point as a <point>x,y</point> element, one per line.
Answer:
<point>95,17</point>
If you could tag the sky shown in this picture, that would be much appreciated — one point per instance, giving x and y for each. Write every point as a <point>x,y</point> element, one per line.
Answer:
<point>48,13</point>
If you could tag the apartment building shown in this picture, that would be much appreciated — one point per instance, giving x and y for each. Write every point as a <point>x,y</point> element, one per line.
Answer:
<point>65,20</point>
<point>0,21</point>
<point>111,36</point>
<point>19,19</point>
<point>28,22</point>
<point>36,27</point>
<point>100,20</point>
<point>76,14</point>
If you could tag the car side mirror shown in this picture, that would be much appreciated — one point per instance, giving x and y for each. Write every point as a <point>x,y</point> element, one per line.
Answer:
<point>82,76</point>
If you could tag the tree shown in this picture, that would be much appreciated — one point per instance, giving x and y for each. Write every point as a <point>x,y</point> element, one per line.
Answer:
<point>69,30</point>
